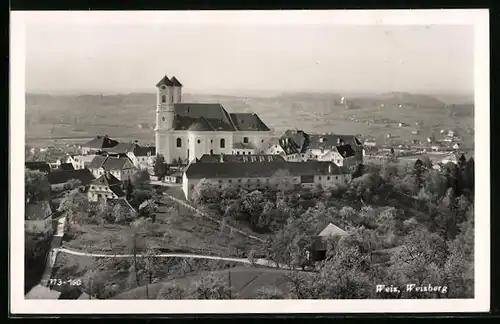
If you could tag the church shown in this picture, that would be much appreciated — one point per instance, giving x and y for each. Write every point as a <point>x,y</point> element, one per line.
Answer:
<point>187,131</point>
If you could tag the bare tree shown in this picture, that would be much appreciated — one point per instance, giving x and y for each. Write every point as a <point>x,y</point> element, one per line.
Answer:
<point>151,266</point>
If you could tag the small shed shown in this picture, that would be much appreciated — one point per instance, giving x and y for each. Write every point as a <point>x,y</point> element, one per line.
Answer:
<point>318,251</point>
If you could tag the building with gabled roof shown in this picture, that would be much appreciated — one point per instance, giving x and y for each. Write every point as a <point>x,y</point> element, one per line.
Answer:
<point>119,165</point>
<point>97,144</point>
<point>38,166</point>
<point>105,187</point>
<point>319,247</point>
<point>264,174</point>
<point>299,146</point>
<point>188,130</point>
<point>60,180</point>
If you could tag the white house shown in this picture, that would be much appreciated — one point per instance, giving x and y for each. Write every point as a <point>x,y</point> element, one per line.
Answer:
<point>142,157</point>
<point>38,218</point>
<point>105,187</point>
<point>80,161</point>
<point>119,166</point>
<point>188,130</point>
<point>263,174</point>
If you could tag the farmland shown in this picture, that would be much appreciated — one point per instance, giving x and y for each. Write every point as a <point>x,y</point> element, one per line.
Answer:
<point>127,117</point>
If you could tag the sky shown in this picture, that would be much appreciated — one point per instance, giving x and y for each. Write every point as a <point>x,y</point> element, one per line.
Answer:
<point>232,57</point>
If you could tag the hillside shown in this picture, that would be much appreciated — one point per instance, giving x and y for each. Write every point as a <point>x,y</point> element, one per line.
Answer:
<point>132,116</point>
<point>244,280</point>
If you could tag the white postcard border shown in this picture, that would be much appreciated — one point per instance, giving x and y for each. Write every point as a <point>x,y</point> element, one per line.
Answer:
<point>478,18</point>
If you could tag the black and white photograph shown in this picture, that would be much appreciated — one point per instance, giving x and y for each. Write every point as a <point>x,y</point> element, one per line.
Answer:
<point>250,162</point>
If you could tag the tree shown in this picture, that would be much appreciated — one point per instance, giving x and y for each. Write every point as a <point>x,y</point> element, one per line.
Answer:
<point>269,292</point>
<point>118,214</point>
<point>160,167</point>
<point>128,188</point>
<point>74,205</point>
<point>205,192</point>
<point>36,185</point>
<point>418,170</point>
<point>360,169</point>
<point>151,266</point>
<point>210,286</point>
<point>419,259</point>
<point>171,291</point>
<point>140,177</point>
<point>138,231</point>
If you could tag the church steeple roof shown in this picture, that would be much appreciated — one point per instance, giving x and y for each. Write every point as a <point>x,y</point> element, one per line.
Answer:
<point>175,82</point>
<point>165,81</point>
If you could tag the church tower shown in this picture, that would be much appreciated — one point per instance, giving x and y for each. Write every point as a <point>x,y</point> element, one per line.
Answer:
<point>164,117</point>
<point>177,86</point>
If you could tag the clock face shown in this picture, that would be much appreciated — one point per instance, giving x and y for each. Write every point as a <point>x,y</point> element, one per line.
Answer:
<point>163,87</point>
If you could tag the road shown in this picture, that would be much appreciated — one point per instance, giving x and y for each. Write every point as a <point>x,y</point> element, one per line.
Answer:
<point>51,257</point>
<point>262,262</point>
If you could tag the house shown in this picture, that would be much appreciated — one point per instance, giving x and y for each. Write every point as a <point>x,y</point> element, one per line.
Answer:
<point>264,175</point>
<point>119,166</point>
<point>298,146</point>
<point>341,155</point>
<point>38,218</point>
<point>126,209</point>
<point>450,133</point>
<point>173,178</point>
<point>38,166</point>
<point>105,187</point>
<point>60,180</point>
<point>80,161</point>
<point>143,157</point>
<point>98,143</point>
<point>319,248</point>
<point>188,130</point>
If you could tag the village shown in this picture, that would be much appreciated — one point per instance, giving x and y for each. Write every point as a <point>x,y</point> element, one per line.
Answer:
<point>232,169</point>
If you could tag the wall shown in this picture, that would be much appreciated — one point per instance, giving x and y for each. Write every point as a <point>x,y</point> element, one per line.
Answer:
<point>259,139</point>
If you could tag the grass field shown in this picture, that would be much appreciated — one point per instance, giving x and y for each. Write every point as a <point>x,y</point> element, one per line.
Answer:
<point>245,281</point>
<point>82,117</point>
<point>117,275</point>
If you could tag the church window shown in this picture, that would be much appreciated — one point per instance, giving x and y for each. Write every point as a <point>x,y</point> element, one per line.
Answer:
<point>163,118</point>
<point>211,141</point>
<point>211,152</point>
<point>198,141</point>
<point>245,139</point>
<point>163,99</point>
<point>179,142</point>
<point>222,143</point>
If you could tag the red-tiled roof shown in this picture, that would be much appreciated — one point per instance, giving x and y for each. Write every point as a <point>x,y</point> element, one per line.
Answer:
<point>165,81</point>
<point>259,169</point>
<point>115,163</point>
<point>175,82</point>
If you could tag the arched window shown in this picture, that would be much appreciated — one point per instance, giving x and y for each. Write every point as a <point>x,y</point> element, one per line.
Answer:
<point>222,143</point>
<point>211,152</point>
<point>245,139</point>
<point>179,142</point>
<point>163,98</point>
